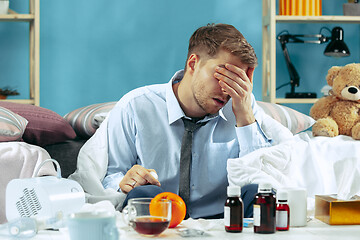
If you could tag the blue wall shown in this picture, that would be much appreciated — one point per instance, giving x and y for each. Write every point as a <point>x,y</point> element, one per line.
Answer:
<point>96,51</point>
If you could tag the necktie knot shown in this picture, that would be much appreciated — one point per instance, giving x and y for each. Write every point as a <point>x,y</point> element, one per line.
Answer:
<point>190,125</point>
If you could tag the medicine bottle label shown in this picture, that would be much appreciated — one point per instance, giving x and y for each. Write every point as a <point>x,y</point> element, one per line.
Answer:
<point>257,214</point>
<point>227,216</point>
<point>281,219</point>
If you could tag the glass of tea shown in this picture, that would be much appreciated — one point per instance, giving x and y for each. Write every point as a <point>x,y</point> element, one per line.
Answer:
<point>148,218</point>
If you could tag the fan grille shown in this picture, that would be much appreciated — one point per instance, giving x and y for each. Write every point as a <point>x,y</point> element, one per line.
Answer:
<point>28,205</point>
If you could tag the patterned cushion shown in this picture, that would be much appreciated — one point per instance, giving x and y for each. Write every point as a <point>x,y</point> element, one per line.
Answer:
<point>290,118</point>
<point>12,125</point>
<point>44,126</point>
<point>86,120</point>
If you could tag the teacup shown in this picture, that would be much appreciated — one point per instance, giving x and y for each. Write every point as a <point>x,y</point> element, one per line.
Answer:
<point>92,226</point>
<point>146,219</point>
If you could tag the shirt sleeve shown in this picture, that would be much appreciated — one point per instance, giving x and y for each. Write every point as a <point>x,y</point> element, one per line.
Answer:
<point>113,180</point>
<point>264,132</point>
<point>121,146</point>
<point>251,137</point>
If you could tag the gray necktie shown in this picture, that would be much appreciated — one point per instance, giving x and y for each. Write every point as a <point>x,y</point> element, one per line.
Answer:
<point>185,160</point>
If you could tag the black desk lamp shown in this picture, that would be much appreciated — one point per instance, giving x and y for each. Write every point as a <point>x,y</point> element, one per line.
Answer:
<point>336,48</point>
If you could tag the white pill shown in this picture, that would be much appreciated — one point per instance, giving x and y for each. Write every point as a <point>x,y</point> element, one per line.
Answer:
<point>154,175</point>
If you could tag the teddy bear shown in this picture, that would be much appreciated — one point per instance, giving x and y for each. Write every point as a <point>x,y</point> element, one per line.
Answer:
<point>338,113</point>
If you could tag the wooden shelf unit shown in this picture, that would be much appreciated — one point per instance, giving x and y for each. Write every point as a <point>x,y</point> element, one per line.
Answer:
<point>269,21</point>
<point>33,17</point>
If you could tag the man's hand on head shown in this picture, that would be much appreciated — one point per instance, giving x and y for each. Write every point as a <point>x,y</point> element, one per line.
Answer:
<point>237,83</point>
<point>137,176</point>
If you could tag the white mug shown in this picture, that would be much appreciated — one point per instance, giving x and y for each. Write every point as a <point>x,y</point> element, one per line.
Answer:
<point>297,200</point>
<point>92,226</point>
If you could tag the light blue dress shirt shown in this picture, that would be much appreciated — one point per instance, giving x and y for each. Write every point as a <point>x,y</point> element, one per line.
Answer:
<point>145,128</point>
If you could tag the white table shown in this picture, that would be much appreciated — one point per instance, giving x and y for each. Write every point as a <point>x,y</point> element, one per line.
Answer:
<point>315,229</point>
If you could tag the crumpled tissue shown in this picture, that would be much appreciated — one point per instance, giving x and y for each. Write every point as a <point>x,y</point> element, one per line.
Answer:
<point>202,224</point>
<point>102,206</point>
<point>199,227</point>
<point>347,178</point>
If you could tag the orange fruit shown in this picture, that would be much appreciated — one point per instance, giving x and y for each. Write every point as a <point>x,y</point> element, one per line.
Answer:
<point>178,207</point>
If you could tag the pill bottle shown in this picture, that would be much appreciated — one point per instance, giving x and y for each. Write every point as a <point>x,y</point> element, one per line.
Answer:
<point>233,210</point>
<point>282,211</point>
<point>265,210</point>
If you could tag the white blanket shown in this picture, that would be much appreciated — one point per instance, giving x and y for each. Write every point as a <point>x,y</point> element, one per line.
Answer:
<point>20,160</point>
<point>92,167</point>
<point>322,165</point>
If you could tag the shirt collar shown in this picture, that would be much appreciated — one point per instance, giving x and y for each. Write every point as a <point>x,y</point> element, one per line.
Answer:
<point>173,107</point>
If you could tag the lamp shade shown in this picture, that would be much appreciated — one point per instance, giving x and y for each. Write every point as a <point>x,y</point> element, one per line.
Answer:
<point>337,46</point>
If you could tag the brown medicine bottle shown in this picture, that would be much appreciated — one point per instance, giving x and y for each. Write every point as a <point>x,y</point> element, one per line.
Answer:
<point>233,210</point>
<point>265,210</point>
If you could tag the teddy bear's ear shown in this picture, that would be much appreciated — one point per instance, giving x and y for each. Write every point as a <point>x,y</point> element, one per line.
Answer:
<point>332,73</point>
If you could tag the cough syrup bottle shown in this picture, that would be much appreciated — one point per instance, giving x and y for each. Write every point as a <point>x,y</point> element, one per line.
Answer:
<point>265,210</point>
<point>233,210</point>
<point>282,212</point>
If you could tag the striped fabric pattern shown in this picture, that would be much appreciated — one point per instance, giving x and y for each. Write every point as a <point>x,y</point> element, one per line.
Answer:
<point>86,120</point>
<point>290,118</point>
<point>12,125</point>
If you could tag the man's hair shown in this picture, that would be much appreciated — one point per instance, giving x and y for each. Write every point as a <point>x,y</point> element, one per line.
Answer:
<point>211,38</point>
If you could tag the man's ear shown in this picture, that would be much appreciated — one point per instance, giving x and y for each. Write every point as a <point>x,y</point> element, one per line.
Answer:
<point>250,73</point>
<point>192,62</point>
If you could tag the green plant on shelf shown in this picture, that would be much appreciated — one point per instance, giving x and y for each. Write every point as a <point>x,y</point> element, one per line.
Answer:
<point>5,92</point>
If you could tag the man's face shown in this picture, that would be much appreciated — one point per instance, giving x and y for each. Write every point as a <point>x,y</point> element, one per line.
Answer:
<point>205,87</point>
